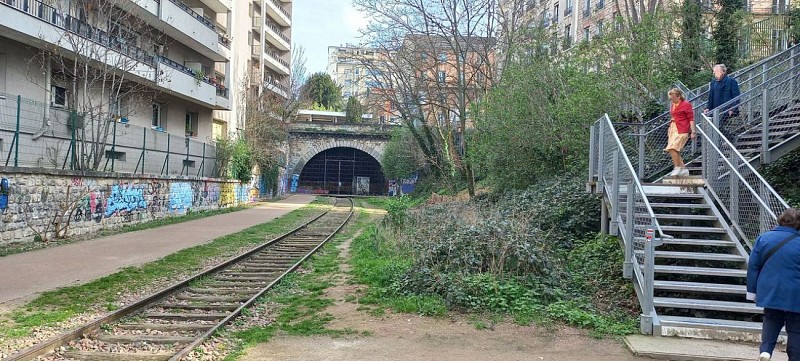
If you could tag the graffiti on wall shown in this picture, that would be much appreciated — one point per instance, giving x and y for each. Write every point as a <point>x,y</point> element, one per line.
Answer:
<point>226,195</point>
<point>125,199</point>
<point>180,197</point>
<point>205,194</point>
<point>90,207</point>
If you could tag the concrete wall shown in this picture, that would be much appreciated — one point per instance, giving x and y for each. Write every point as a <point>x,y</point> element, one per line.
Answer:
<point>105,201</point>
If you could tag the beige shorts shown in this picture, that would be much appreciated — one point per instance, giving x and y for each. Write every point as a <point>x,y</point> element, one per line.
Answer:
<point>676,141</point>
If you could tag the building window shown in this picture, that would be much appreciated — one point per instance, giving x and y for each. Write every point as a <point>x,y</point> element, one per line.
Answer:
<point>568,8</point>
<point>601,4</point>
<point>555,13</point>
<point>600,27</point>
<point>58,96</point>
<point>587,8</point>
<point>443,57</point>
<point>191,125</point>
<point>567,36</point>
<point>156,119</point>
<point>586,33</point>
<point>617,21</point>
<point>441,76</point>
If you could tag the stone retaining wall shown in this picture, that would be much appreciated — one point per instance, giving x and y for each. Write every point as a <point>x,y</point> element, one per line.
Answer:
<point>92,201</point>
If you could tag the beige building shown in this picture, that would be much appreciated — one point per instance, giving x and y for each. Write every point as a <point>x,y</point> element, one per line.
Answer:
<point>346,66</point>
<point>261,60</point>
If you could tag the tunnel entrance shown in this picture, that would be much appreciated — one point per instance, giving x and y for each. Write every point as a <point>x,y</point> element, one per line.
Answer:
<point>342,171</point>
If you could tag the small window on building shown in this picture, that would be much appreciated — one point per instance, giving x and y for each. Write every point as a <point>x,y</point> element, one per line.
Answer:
<point>191,124</point>
<point>441,76</point>
<point>586,33</point>
<point>58,96</point>
<point>600,27</point>
<point>555,13</point>
<point>110,154</point>
<point>156,119</point>
<point>442,57</point>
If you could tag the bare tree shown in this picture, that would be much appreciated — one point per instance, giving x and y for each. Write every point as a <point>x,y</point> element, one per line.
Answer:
<point>437,59</point>
<point>98,70</point>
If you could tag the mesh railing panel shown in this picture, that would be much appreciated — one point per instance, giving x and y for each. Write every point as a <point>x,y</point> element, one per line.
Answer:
<point>47,144</point>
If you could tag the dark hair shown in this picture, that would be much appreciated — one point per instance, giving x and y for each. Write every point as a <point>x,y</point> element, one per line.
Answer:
<point>790,218</point>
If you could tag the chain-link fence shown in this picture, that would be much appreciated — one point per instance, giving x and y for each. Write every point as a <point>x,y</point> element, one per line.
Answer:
<point>747,199</point>
<point>631,215</point>
<point>35,134</point>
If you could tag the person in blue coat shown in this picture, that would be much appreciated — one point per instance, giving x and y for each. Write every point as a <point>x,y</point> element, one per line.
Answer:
<point>773,281</point>
<point>721,90</point>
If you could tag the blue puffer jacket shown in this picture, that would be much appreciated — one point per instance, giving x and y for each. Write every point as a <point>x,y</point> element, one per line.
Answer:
<point>776,284</point>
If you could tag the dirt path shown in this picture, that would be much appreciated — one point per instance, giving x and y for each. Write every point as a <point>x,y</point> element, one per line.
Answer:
<point>411,337</point>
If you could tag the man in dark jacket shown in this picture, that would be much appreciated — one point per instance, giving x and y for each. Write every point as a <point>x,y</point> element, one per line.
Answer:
<point>723,88</point>
<point>773,281</point>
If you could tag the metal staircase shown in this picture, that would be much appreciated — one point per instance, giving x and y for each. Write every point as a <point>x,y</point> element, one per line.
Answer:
<point>686,239</point>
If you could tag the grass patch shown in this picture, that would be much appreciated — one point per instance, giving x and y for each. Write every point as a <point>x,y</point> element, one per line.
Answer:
<point>62,304</point>
<point>300,305</point>
<point>16,248</point>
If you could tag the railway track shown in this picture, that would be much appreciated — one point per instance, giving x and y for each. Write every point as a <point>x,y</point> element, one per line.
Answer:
<point>170,323</point>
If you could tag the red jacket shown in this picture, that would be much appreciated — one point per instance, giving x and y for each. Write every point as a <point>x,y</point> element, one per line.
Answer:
<point>682,115</point>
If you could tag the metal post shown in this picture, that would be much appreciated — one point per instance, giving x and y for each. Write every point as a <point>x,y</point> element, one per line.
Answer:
<point>144,146</point>
<point>646,320</point>
<point>765,158</point>
<point>600,158</point>
<point>186,161</point>
<point>166,160</point>
<point>603,216</point>
<point>202,162</point>
<point>16,133</point>
<point>614,227</point>
<point>592,157</point>
<point>733,188</point>
<point>627,264</point>
<point>642,137</point>
<point>114,146</point>
<point>73,159</point>
<point>764,218</point>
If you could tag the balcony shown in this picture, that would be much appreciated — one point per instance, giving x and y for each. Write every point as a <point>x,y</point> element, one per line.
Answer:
<point>257,24</point>
<point>40,23</point>
<point>274,62</point>
<point>256,51</point>
<point>223,99</point>
<point>276,11</point>
<point>191,28</point>
<point>276,37</point>
<point>276,87</point>
<point>219,6</point>
<point>188,84</point>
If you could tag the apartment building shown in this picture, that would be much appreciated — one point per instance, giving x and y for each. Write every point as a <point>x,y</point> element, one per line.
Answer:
<point>174,53</point>
<point>347,66</point>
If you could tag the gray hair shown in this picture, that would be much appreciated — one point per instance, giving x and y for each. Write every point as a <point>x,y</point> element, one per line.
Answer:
<point>722,67</point>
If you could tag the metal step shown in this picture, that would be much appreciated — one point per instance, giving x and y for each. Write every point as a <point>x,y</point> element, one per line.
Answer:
<point>675,195</point>
<point>691,217</point>
<point>690,229</point>
<point>700,287</point>
<point>701,271</point>
<point>694,304</point>
<point>700,242</point>
<point>711,323</point>
<point>679,205</point>
<point>699,256</point>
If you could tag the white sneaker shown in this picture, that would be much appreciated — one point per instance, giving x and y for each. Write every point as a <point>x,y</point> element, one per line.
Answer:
<point>683,172</point>
<point>764,356</point>
<point>674,172</point>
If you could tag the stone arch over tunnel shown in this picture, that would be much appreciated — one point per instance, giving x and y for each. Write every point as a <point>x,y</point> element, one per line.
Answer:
<point>338,166</point>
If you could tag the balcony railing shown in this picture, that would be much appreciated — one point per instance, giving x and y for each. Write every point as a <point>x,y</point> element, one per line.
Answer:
<point>568,11</point>
<point>49,14</point>
<point>221,89</point>
<point>277,57</point>
<point>277,84</point>
<point>280,8</point>
<point>223,39</point>
<point>277,30</point>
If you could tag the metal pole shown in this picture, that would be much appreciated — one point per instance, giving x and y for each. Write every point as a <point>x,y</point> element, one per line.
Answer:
<point>16,133</point>
<point>592,156</point>
<point>627,264</point>
<point>734,188</point>
<point>202,162</point>
<point>642,139</point>
<point>113,146</point>
<point>73,160</point>
<point>603,216</point>
<point>144,145</point>
<point>600,158</point>
<point>765,158</point>
<point>646,323</point>
<point>614,227</point>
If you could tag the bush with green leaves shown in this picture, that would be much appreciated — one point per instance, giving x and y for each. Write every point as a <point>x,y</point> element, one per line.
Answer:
<point>241,162</point>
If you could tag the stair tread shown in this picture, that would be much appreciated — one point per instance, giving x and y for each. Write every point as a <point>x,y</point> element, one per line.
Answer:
<point>730,306</point>
<point>700,242</point>
<point>699,255</point>
<point>695,229</point>
<point>700,286</point>
<point>678,205</point>
<point>676,195</point>
<point>697,217</point>
<point>730,272</point>
<point>699,322</point>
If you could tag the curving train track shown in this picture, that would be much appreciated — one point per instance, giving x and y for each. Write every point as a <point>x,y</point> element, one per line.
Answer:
<point>170,323</point>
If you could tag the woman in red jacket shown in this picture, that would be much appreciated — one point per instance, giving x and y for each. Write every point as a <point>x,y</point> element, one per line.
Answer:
<point>681,128</point>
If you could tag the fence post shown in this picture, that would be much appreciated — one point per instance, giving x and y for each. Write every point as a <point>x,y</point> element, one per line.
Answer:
<point>113,146</point>
<point>734,188</point>
<point>646,320</point>
<point>186,161</point>
<point>627,264</point>
<point>614,227</point>
<point>642,140</point>
<point>202,162</point>
<point>16,132</point>
<point>592,156</point>
<point>166,160</point>
<point>144,146</point>
<point>765,158</point>
<point>600,156</point>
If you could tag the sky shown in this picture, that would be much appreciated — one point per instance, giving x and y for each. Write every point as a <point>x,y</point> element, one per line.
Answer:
<point>317,24</point>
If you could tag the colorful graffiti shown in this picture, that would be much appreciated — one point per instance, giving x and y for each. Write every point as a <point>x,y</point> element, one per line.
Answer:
<point>125,198</point>
<point>90,207</point>
<point>180,197</point>
<point>227,196</point>
<point>205,194</point>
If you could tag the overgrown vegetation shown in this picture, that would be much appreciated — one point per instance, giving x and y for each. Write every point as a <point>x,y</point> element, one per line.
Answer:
<point>531,255</point>
<point>784,177</point>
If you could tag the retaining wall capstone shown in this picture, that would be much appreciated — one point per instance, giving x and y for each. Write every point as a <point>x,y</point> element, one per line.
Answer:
<point>94,201</point>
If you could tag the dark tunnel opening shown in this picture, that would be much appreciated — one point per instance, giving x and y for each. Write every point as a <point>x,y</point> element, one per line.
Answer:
<point>342,171</point>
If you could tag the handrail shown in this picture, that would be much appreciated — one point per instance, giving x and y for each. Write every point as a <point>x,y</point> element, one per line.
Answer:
<point>730,199</point>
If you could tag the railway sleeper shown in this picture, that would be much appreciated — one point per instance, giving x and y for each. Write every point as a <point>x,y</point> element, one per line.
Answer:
<point>250,274</point>
<point>164,327</point>
<point>178,306</point>
<point>248,284</point>
<point>186,316</point>
<point>152,339</point>
<point>223,299</point>
<point>116,356</point>
<point>216,291</point>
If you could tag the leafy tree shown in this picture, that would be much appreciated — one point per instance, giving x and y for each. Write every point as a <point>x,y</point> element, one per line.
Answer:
<point>401,157</point>
<point>241,162</point>
<point>354,110</point>
<point>322,90</point>
<point>726,32</point>
<point>691,53</point>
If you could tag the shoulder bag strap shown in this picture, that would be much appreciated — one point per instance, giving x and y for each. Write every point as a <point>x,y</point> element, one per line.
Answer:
<point>776,248</point>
